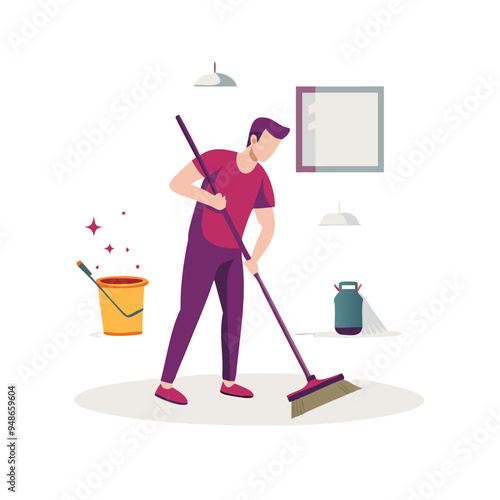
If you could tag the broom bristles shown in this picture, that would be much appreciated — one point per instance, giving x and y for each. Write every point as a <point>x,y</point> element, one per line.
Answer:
<point>322,396</point>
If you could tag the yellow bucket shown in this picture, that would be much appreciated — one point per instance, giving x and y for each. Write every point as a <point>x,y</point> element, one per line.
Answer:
<point>128,293</point>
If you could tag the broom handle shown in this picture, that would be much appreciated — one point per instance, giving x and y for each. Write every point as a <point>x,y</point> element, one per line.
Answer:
<point>243,249</point>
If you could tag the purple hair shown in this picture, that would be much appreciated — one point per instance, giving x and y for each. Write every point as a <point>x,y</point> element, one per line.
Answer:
<point>261,124</point>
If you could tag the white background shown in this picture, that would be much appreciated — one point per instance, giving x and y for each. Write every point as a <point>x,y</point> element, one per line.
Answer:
<point>439,224</point>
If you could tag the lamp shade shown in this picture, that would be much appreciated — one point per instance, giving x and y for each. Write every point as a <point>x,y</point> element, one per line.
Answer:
<point>215,80</point>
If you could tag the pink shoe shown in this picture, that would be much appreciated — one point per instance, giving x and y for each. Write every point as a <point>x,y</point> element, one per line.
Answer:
<point>171,395</point>
<point>236,390</point>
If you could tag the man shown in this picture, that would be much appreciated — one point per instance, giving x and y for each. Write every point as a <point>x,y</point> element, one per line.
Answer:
<point>212,253</point>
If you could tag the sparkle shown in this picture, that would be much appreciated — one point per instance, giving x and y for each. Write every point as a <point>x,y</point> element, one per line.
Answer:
<point>137,266</point>
<point>93,227</point>
<point>109,248</point>
<point>123,213</point>
<point>127,249</point>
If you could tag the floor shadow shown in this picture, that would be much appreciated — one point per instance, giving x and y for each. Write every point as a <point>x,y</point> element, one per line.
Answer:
<point>270,406</point>
<point>361,335</point>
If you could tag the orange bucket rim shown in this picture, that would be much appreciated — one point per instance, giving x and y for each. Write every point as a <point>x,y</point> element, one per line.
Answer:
<point>137,281</point>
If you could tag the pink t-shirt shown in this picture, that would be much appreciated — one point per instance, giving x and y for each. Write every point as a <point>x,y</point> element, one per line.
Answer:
<point>243,193</point>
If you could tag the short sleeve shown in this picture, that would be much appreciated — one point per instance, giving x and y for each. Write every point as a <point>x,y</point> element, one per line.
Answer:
<point>211,159</point>
<point>265,196</point>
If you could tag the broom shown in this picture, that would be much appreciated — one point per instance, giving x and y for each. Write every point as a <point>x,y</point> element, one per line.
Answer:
<point>316,392</point>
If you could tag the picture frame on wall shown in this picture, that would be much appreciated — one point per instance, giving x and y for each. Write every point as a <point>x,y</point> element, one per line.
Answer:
<point>340,129</point>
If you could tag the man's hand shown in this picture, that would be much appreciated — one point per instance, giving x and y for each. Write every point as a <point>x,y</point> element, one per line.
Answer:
<point>252,266</point>
<point>218,202</point>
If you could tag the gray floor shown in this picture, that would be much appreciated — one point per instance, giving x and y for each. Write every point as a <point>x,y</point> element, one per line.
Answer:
<point>361,335</point>
<point>270,406</point>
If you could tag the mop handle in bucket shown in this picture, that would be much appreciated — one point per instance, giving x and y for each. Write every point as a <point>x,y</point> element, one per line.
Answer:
<point>86,270</point>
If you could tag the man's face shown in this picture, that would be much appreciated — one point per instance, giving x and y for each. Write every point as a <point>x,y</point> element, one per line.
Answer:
<point>264,148</point>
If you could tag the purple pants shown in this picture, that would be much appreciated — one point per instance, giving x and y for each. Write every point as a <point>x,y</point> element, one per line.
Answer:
<point>205,263</point>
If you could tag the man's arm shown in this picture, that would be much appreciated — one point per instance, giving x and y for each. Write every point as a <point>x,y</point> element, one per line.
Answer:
<point>265,217</point>
<point>183,182</point>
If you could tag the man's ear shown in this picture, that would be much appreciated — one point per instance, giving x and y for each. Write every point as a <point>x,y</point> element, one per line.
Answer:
<point>253,140</point>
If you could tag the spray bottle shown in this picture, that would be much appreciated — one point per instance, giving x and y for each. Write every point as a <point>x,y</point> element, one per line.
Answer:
<point>348,308</point>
